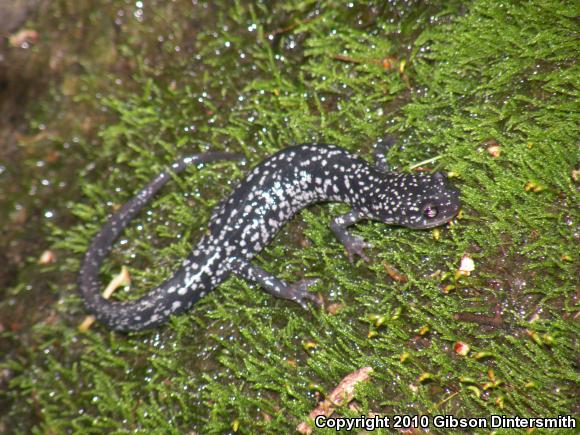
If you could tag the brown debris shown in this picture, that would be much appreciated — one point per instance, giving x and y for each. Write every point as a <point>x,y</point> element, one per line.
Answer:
<point>493,148</point>
<point>394,273</point>
<point>290,27</point>
<point>340,396</point>
<point>122,279</point>
<point>24,36</point>
<point>47,257</point>
<point>334,308</point>
<point>496,320</point>
<point>388,63</point>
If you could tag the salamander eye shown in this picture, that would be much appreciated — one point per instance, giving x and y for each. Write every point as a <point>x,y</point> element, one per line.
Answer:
<point>430,211</point>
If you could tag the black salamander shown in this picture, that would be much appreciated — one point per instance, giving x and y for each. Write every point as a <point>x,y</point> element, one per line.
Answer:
<point>245,222</point>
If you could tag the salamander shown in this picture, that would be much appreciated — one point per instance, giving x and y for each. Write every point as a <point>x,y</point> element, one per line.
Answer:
<point>242,224</point>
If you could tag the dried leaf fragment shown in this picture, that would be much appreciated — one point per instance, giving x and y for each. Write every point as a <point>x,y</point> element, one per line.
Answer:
<point>47,257</point>
<point>23,38</point>
<point>340,396</point>
<point>394,273</point>
<point>466,266</point>
<point>121,280</point>
<point>532,186</point>
<point>492,147</point>
<point>389,63</point>
<point>494,150</point>
<point>461,348</point>
<point>334,308</point>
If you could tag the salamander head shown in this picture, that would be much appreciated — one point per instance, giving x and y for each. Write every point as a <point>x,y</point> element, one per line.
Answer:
<point>417,201</point>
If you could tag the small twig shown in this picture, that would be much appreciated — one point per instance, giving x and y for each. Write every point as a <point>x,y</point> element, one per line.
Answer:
<point>348,59</point>
<point>387,63</point>
<point>451,396</point>
<point>496,320</point>
<point>292,26</point>
<point>424,162</point>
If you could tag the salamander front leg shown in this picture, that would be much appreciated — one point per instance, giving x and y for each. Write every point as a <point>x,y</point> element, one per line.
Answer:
<point>296,291</point>
<point>352,244</point>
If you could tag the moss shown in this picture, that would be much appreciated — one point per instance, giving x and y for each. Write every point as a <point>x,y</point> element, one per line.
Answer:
<point>449,81</point>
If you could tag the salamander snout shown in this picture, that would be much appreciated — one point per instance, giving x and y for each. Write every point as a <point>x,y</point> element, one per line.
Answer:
<point>417,201</point>
<point>430,201</point>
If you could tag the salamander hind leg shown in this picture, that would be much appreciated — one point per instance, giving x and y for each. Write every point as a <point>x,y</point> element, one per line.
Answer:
<point>296,291</point>
<point>354,245</point>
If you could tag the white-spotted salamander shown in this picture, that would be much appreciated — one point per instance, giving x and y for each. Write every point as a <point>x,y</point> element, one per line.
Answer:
<point>245,222</point>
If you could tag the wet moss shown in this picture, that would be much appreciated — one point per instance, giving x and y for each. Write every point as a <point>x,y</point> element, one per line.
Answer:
<point>450,81</point>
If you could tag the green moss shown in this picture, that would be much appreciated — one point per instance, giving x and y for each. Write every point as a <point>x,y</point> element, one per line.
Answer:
<point>448,82</point>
